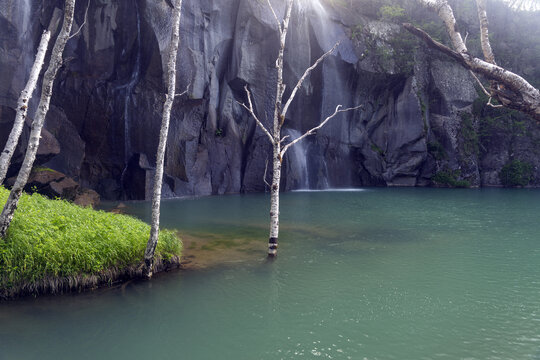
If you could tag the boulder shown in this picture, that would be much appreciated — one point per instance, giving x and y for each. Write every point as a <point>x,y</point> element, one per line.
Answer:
<point>87,198</point>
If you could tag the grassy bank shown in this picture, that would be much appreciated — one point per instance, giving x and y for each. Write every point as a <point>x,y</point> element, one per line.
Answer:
<point>54,246</point>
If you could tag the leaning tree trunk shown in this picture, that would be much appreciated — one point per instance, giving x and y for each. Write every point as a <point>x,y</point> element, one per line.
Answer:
<point>512,91</point>
<point>171,90</point>
<point>22,106</point>
<point>33,143</point>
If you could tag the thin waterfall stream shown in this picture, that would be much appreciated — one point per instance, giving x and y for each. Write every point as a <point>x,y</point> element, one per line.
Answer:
<point>126,91</point>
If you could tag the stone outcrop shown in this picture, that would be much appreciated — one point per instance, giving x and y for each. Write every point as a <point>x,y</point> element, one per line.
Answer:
<point>417,119</point>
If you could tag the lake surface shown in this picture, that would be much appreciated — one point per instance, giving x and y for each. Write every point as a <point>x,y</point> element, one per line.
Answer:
<point>374,274</point>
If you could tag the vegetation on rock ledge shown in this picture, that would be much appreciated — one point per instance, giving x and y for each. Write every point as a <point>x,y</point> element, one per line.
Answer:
<point>516,173</point>
<point>54,246</point>
<point>450,178</point>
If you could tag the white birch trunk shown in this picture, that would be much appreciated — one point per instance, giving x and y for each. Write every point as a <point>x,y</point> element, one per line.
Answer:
<point>279,118</point>
<point>160,157</point>
<point>484,32</point>
<point>22,106</point>
<point>274,201</point>
<point>35,134</point>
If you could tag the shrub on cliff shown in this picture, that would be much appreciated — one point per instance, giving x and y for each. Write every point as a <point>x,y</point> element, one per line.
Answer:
<point>516,173</point>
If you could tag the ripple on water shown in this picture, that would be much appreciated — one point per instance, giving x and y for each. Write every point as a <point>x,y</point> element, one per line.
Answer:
<point>379,274</point>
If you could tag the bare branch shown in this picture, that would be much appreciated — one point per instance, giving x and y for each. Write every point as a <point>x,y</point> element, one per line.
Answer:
<point>275,16</point>
<point>492,105</point>
<point>484,91</point>
<point>183,92</point>
<point>434,43</point>
<point>480,83</point>
<point>84,22</point>
<point>283,139</point>
<point>312,131</point>
<point>306,73</point>
<point>265,172</point>
<point>252,112</point>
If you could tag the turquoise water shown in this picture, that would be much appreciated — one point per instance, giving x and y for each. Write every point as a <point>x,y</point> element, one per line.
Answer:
<point>375,274</point>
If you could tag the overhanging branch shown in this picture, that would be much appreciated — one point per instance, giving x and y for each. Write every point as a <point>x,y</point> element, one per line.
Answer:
<point>306,73</point>
<point>252,112</point>
<point>312,131</point>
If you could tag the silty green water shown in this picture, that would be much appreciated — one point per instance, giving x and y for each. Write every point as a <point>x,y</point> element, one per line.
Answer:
<point>376,274</point>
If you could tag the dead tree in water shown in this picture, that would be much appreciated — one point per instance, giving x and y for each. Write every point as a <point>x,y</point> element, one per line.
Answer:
<point>510,89</point>
<point>22,106</point>
<point>160,158</point>
<point>33,143</point>
<point>280,112</point>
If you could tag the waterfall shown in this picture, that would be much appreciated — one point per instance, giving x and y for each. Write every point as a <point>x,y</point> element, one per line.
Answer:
<point>126,91</point>
<point>25,11</point>
<point>297,166</point>
<point>22,20</point>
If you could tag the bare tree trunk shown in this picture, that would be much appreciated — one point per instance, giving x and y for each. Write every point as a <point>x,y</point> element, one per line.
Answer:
<point>22,106</point>
<point>279,118</point>
<point>512,90</point>
<point>280,112</point>
<point>484,32</point>
<point>37,124</point>
<point>274,201</point>
<point>160,157</point>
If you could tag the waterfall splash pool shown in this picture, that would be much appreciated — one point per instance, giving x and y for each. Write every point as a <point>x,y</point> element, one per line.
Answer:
<point>375,274</point>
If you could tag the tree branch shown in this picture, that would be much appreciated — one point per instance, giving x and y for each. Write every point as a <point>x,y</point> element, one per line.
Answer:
<point>430,42</point>
<point>275,17</point>
<point>480,83</point>
<point>306,73</point>
<point>518,94</point>
<point>265,172</point>
<point>183,92</point>
<point>84,22</point>
<point>484,34</point>
<point>312,131</point>
<point>252,112</point>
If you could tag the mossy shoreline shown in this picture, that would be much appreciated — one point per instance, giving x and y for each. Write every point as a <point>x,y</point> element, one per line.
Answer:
<point>56,247</point>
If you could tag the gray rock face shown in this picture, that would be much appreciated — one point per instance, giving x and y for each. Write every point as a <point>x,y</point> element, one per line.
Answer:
<point>108,97</point>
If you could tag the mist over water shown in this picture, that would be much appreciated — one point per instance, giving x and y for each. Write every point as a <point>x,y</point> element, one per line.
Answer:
<point>375,274</point>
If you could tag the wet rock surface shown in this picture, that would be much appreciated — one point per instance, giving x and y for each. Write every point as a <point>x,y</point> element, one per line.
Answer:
<point>106,110</point>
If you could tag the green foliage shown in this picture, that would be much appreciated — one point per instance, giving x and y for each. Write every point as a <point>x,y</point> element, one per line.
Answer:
<point>356,32</point>
<point>435,29</point>
<point>219,132</point>
<point>450,178</point>
<point>377,149</point>
<point>496,122</point>
<point>41,168</point>
<point>423,109</point>
<point>54,238</point>
<point>516,173</point>
<point>437,150</point>
<point>392,13</point>
<point>469,134</point>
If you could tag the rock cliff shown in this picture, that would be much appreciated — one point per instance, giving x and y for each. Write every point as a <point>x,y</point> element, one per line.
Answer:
<point>421,114</point>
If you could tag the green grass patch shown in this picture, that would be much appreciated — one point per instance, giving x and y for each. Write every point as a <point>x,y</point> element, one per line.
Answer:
<point>54,239</point>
